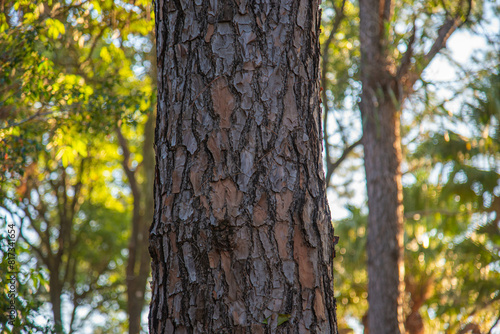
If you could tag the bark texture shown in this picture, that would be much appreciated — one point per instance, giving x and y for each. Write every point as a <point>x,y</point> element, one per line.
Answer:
<point>382,151</point>
<point>242,236</point>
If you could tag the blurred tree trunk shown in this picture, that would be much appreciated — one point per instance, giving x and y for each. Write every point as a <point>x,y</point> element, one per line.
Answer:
<point>139,262</point>
<point>138,265</point>
<point>242,240</point>
<point>387,82</point>
<point>55,298</point>
<point>382,150</point>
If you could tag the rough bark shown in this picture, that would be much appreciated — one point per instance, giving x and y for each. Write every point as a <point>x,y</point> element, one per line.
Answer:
<point>382,154</point>
<point>241,235</point>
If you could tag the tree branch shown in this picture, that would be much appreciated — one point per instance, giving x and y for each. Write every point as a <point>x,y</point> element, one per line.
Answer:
<point>444,33</point>
<point>125,163</point>
<point>32,117</point>
<point>336,164</point>
<point>45,259</point>
<point>405,64</point>
<point>339,15</point>
<point>92,47</point>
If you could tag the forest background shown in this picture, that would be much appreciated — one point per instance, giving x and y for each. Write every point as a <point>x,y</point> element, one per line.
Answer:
<point>77,108</point>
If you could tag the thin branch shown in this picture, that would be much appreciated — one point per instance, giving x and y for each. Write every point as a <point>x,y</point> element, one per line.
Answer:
<point>45,259</point>
<point>339,15</point>
<point>74,108</point>
<point>125,163</point>
<point>336,164</point>
<point>32,117</point>
<point>444,33</point>
<point>65,220</point>
<point>93,46</point>
<point>408,55</point>
<point>73,313</point>
<point>77,188</point>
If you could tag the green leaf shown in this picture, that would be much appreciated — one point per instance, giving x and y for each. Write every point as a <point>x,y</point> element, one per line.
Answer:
<point>282,318</point>
<point>105,55</point>
<point>55,28</point>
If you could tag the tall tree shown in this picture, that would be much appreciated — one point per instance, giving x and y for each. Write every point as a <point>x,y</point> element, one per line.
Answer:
<point>388,77</point>
<point>450,228</point>
<point>81,65</point>
<point>241,239</point>
<point>138,262</point>
<point>61,213</point>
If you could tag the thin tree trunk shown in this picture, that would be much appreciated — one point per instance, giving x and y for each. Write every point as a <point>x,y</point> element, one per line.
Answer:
<point>134,307</point>
<point>142,261</point>
<point>385,220</point>
<point>55,300</point>
<point>242,240</point>
<point>380,112</point>
<point>138,264</point>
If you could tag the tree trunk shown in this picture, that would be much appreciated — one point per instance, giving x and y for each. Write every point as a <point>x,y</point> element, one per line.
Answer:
<point>55,299</point>
<point>140,268</point>
<point>382,153</point>
<point>242,240</point>
<point>385,220</point>
<point>134,297</point>
<point>138,265</point>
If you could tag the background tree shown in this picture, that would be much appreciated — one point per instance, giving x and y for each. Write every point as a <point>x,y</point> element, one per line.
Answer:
<point>71,72</point>
<point>392,61</point>
<point>387,81</point>
<point>242,239</point>
<point>426,108</point>
<point>59,214</point>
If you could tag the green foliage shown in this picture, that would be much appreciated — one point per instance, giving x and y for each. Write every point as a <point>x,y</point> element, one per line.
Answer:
<point>30,282</point>
<point>452,210</point>
<point>462,210</point>
<point>450,164</point>
<point>70,71</point>
<point>351,283</point>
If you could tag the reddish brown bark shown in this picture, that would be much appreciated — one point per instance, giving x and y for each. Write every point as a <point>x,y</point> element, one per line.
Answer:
<point>242,234</point>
